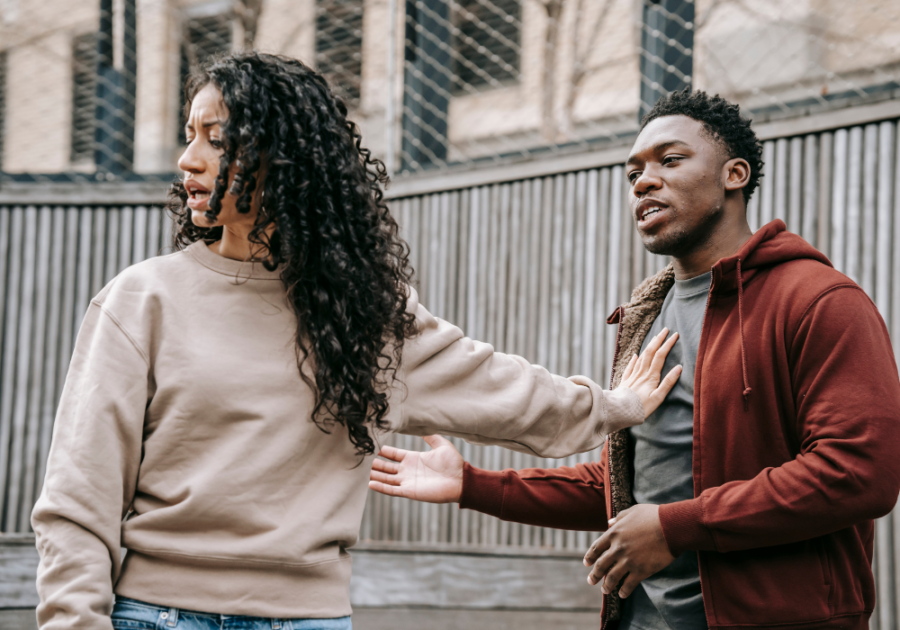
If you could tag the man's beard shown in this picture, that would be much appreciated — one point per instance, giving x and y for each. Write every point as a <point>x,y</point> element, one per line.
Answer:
<point>679,242</point>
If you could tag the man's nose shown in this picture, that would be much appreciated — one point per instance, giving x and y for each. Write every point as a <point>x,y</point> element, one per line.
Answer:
<point>646,182</point>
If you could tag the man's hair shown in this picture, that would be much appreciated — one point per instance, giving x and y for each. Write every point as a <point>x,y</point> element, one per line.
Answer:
<point>724,123</point>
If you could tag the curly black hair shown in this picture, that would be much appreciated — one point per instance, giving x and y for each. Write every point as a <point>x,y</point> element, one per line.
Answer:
<point>724,123</point>
<point>345,269</point>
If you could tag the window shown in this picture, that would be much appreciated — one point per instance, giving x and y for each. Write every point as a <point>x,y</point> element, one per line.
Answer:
<point>84,96</point>
<point>339,25</point>
<point>486,43</point>
<point>667,42</point>
<point>204,37</point>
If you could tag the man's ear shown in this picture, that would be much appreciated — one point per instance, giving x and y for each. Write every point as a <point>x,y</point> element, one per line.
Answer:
<point>737,173</point>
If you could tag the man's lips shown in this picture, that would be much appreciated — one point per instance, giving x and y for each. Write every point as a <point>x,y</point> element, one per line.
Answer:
<point>648,211</point>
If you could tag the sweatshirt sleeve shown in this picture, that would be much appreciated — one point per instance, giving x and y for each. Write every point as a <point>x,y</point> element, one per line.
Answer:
<point>455,386</point>
<point>91,475</point>
<point>847,396</point>
<point>568,497</point>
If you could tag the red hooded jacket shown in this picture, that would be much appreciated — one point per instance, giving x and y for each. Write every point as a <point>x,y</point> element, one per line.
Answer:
<point>796,444</point>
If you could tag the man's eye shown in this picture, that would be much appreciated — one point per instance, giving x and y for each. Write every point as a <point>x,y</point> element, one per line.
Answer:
<point>671,158</point>
<point>633,176</point>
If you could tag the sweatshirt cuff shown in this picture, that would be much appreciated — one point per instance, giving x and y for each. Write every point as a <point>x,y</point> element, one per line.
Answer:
<point>623,409</point>
<point>482,490</point>
<point>683,528</point>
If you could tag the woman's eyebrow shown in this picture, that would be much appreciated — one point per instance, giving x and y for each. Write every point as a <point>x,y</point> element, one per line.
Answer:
<point>205,125</point>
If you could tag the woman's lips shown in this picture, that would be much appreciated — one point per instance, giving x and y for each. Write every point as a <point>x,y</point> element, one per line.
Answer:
<point>198,200</point>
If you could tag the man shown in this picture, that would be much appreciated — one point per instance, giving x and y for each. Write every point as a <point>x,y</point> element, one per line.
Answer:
<point>747,498</point>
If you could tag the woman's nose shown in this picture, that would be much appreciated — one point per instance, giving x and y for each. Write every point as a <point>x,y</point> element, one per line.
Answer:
<point>190,160</point>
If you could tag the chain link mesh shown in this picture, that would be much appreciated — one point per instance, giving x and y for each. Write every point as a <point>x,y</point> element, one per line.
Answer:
<point>91,89</point>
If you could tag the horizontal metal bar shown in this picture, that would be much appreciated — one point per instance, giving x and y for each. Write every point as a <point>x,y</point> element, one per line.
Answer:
<point>144,193</point>
<point>84,193</point>
<point>480,176</point>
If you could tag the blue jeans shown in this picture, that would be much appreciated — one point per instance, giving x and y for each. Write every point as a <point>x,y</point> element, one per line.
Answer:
<point>130,614</point>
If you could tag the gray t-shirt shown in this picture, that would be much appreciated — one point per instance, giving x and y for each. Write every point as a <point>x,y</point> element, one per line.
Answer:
<point>671,599</point>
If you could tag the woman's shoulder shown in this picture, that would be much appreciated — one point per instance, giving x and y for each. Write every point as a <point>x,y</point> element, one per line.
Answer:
<point>149,276</point>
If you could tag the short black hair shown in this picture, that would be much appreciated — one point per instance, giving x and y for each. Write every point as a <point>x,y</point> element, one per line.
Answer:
<point>722,120</point>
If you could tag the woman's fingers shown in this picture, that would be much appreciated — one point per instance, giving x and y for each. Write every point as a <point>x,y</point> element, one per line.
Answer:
<point>659,359</point>
<point>383,488</point>
<point>659,394</point>
<point>652,347</point>
<point>666,385</point>
<point>385,466</point>
<point>393,453</point>
<point>436,441</point>
<point>392,480</point>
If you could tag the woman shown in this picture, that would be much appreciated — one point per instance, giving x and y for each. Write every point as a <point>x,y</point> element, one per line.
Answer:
<point>223,402</point>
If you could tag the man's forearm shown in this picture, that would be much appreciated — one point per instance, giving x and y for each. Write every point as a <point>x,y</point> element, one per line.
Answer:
<point>563,498</point>
<point>753,513</point>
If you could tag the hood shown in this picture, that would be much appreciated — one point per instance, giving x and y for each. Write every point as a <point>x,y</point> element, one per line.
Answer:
<point>771,245</point>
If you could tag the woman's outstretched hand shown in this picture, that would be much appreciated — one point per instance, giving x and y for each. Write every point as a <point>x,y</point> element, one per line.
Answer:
<point>434,476</point>
<point>642,376</point>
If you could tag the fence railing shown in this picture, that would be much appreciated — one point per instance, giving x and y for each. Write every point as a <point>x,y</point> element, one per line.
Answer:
<point>91,90</point>
<point>532,266</point>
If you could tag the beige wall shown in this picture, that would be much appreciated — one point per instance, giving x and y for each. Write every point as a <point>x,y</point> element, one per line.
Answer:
<point>770,51</point>
<point>38,39</point>
<point>597,35</point>
<point>157,114</point>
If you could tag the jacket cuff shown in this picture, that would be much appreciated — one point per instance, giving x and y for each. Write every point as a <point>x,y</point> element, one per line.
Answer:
<point>683,528</point>
<point>482,490</point>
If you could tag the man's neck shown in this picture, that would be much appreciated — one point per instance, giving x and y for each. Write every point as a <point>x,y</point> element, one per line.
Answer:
<point>724,241</point>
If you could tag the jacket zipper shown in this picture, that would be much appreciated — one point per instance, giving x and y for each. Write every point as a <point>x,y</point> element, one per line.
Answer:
<point>604,618</point>
<point>712,284</point>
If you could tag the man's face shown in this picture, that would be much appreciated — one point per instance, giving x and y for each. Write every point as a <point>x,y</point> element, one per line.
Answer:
<point>676,171</point>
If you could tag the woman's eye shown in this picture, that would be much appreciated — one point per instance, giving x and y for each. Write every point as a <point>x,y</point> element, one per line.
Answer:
<point>216,143</point>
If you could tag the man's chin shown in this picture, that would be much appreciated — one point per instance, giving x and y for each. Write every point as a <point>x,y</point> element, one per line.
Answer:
<point>663,244</point>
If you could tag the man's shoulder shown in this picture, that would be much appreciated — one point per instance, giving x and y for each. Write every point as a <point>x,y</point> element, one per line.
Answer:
<point>805,276</point>
<point>803,284</point>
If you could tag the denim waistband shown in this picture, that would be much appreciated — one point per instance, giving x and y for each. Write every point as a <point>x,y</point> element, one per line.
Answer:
<point>164,617</point>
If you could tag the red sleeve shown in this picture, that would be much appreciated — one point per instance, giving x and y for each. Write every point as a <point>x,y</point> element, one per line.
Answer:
<point>568,497</point>
<point>848,396</point>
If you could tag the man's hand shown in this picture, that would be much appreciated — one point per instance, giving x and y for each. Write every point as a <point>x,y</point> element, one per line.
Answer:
<point>632,549</point>
<point>434,476</point>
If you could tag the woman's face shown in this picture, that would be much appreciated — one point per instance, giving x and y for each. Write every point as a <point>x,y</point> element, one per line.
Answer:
<point>200,162</point>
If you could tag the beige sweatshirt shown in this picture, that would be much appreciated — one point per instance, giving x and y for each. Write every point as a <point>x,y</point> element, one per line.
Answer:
<point>184,410</point>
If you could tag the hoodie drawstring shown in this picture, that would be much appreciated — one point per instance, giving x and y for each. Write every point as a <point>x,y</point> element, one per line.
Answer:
<point>747,388</point>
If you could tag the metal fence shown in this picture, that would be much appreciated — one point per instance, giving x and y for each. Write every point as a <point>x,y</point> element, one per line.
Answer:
<point>91,89</point>
<point>532,266</point>
<point>492,80</point>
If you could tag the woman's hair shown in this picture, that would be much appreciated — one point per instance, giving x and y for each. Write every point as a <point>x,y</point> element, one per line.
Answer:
<point>345,269</point>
